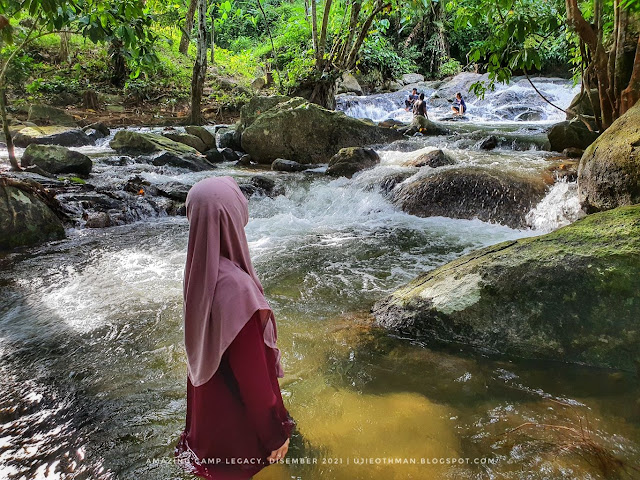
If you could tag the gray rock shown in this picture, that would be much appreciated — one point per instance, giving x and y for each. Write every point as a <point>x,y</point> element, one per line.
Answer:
<point>56,159</point>
<point>195,163</point>
<point>351,160</point>
<point>64,136</point>
<point>214,156</point>
<point>570,135</point>
<point>488,194</point>
<point>307,133</point>
<point>98,220</point>
<point>282,165</point>
<point>572,295</point>
<point>187,139</point>
<point>433,159</point>
<point>348,83</point>
<point>409,78</point>
<point>25,219</point>
<point>609,171</point>
<point>46,115</point>
<point>208,138</point>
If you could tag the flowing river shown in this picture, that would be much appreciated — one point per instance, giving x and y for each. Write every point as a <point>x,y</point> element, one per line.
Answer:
<point>92,363</point>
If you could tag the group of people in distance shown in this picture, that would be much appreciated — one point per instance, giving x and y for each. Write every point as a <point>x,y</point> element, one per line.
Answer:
<point>418,105</point>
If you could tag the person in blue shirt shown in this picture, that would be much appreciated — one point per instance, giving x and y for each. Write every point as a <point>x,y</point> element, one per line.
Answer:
<point>413,97</point>
<point>459,107</point>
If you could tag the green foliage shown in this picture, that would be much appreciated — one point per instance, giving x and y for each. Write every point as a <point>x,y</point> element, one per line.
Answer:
<point>57,84</point>
<point>378,54</point>
<point>449,67</point>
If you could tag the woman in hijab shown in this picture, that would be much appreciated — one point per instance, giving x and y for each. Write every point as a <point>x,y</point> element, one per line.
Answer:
<point>236,421</point>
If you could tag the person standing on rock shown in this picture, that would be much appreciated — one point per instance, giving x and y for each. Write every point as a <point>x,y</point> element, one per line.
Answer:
<point>413,97</point>
<point>236,423</point>
<point>420,107</point>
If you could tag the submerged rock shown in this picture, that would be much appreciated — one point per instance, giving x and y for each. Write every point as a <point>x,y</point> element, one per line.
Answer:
<point>25,219</point>
<point>570,134</point>
<point>571,295</point>
<point>609,171</point>
<point>307,133</point>
<point>434,159</point>
<point>64,136</point>
<point>488,194</point>
<point>351,160</point>
<point>56,159</point>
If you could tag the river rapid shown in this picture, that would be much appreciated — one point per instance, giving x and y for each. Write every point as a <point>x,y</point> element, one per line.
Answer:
<point>92,363</point>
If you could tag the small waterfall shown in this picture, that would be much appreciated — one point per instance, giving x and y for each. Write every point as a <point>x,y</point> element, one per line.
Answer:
<point>516,102</point>
<point>559,208</point>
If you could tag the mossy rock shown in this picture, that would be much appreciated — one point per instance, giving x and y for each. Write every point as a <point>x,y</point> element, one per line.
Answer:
<point>25,220</point>
<point>572,295</point>
<point>56,159</point>
<point>307,133</point>
<point>46,115</point>
<point>187,139</point>
<point>208,138</point>
<point>609,171</point>
<point>257,106</point>
<point>128,141</point>
<point>574,134</point>
<point>351,160</point>
<point>53,135</point>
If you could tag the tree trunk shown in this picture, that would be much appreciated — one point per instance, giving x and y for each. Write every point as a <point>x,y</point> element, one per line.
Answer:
<point>118,63</point>
<point>90,100</point>
<point>324,93</point>
<point>5,129</point>
<point>200,66</point>
<point>65,37</point>
<point>188,25</point>
<point>631,94</point>
<point>323,32</point>
<point>213,38</point>
<point>314,28</point>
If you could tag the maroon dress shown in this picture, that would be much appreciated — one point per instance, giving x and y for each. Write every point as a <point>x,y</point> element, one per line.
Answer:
<point>237,418</point>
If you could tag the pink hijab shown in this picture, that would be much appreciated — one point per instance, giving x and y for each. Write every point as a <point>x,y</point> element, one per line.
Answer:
<point>221,289</point>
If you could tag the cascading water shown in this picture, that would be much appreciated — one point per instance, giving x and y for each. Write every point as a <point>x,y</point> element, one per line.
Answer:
<point>93,368</point>
<point>516,102</point>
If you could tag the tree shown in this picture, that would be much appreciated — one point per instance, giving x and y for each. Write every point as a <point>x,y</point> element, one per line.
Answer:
<point>331,63</point>
<point>125,21</point>
<point>185,39</point>
<point>200,66</point>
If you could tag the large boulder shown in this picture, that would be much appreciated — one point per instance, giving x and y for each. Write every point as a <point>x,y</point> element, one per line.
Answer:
<point>130,142</point>
<point>424,126</point>
<point>570,134</point>
<point>208,138</point>
<point>187,139</point>
<point>257,106</point>
<point>351,160</point>
<point>196,163</point>
<point>56,159</point>
<point>307,133</point>
<point>488,194</point>
<point>609,171</point>
<point>25,219</point>
<point>348,84</point>
<point>64,136</point>
<point>571,295</point>
<point>409,78</point>
<point>46,115</point>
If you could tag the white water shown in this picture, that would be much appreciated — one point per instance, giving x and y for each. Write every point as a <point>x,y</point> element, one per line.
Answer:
<point>516,102</point>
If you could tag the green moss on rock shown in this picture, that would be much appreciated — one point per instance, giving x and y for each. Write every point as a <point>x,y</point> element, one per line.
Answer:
<point>571,295</point>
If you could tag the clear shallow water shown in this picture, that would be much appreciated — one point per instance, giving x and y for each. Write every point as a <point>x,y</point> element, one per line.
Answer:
<point>92,366</point>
